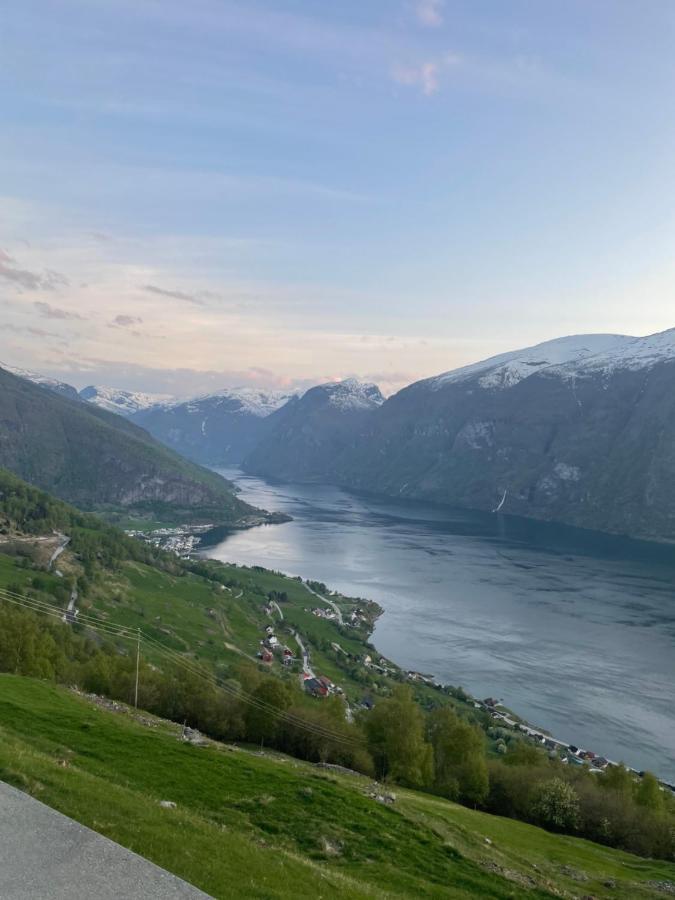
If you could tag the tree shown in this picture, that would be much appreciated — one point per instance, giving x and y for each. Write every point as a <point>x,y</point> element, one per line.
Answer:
<point>395,731</point>
<point>556,806</point>
<point>460,768</point>
<point>261,718</point>
<point>649,793</point>
<point>619,780</point>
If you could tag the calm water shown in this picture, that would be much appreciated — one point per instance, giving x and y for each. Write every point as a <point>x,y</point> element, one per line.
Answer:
<point>574,630</point>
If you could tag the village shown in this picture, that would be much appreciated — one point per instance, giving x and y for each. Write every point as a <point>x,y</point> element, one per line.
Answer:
<point>321,686</point>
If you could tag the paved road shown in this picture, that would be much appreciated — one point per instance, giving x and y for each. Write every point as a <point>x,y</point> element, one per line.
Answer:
<point>306,668</point>
<point>47,856</point>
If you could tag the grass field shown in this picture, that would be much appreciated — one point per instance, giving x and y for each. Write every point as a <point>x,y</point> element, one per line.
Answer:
<point>252,825</point>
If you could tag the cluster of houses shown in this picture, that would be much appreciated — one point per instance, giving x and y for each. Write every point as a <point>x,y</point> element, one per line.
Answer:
<point>355,618</point>
<point>322,612</point>
<point>570,755</point>
<point>270,646</point>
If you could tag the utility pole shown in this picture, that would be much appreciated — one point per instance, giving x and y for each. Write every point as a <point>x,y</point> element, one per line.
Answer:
<point>138,662</point>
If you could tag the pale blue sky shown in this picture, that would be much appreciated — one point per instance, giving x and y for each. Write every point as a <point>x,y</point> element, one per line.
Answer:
<point>217,192</point>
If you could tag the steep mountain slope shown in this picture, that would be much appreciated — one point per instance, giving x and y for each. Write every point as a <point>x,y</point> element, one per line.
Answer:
<point>215,429</point>
<point>306,435</point>
<point>579,430</point>
<point>98,460</point>
<point>59,387</point>
<point>124,403</point>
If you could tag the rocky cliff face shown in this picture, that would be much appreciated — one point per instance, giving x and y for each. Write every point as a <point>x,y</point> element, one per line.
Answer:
<point>588,440</point>
<point>306,435</point>
<point>218,429</point>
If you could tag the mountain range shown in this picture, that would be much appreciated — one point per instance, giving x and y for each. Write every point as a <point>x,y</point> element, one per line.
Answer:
<point>217,429</point>
<point>580,430</point>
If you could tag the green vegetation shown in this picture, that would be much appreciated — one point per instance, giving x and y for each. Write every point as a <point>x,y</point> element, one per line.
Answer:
<point>100,461</point>
<point>254,825</point>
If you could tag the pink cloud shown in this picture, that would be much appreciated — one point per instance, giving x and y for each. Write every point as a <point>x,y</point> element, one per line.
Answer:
<point>430,12</point>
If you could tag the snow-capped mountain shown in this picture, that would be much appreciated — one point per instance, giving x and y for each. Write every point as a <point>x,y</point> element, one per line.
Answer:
<point>352,394</point>
<point>306,433</point>
<point>242,401</point>
<point>632,354</point>
<point>578,430</point>
<point>53,384</point>
<point>215,429</point>
<point>565,357</point>
<point>508,369</point>
<point>124,403</point>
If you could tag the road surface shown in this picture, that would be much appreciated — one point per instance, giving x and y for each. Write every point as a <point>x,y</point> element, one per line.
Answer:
<point>306,668</point>
<point>47,856</point>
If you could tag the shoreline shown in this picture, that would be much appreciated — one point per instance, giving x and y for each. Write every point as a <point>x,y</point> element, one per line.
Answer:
<point>499,714</point>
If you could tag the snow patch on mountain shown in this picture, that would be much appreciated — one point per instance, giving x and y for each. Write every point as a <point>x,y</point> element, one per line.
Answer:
<point>352,394</point>
<point>60,387</point>
<point>241,401</point>
<point>507,369</point>
<point>632,355</point>
<point>124,403</point>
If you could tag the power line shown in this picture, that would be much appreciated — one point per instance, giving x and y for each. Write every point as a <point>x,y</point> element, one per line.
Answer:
<point>263,706</point>
<point>111,629</point>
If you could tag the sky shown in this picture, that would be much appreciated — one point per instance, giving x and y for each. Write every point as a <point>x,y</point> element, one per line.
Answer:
<point>283,192</point>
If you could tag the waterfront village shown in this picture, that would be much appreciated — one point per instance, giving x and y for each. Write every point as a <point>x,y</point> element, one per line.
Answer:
<point>321,686</point>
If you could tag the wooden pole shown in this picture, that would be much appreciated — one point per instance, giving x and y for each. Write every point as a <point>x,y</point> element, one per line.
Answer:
<point>138,662</point>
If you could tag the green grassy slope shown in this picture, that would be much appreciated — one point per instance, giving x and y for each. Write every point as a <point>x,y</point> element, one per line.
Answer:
<point>98,460</point>
<point>251,825</point>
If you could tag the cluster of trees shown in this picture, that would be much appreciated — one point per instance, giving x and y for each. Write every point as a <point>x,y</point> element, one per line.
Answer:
<point>26,509</point>
<point>442,753</point>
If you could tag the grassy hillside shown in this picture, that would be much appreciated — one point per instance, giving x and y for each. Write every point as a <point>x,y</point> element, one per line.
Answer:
<point>262,825</point>
<point>97,460</point>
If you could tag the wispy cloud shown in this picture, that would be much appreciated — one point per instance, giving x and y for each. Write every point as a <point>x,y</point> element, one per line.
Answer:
<point>430,12</point>
<point>125,321</point>
<point>54,312</point>
<point>27,329</point>
<point>174,295</point>
<point>31,281</point>
<point>425,75</point>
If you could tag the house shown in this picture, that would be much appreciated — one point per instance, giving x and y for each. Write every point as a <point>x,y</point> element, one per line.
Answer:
<point>269,630</point>
<point>314,687</point>
<point>265,656</point>
<point>327,683</point>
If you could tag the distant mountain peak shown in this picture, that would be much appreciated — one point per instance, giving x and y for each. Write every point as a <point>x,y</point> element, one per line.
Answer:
<point>242,400</point>
<point>352,394</point>
<point>53,384</point>
<point>124,403</point>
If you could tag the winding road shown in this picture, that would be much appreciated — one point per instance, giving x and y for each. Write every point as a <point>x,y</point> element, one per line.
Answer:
<point>333,606</point>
